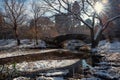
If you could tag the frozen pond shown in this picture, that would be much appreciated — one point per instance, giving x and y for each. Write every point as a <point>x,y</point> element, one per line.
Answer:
<point>50,66</point>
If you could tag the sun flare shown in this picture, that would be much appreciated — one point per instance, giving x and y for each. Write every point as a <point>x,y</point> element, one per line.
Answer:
<point>105,1</point>
<point>99,7</point>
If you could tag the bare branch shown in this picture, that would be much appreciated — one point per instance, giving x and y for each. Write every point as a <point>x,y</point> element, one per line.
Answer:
<point>109,21</point>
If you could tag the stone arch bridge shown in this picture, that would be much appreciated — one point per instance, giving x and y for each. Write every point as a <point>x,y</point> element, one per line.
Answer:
<point>61,38</point>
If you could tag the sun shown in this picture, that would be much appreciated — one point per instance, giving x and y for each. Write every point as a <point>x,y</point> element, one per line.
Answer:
<point>98,7</point>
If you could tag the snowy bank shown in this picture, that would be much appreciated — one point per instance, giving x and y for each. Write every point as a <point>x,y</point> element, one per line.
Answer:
<point>25,43</point>
<point>107,47</point>
<point>24,52</point>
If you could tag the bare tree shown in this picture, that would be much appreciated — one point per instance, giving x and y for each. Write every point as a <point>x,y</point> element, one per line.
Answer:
<point>2,30</point>
<point>38,10</point>
<point>1,19</point>
<point>87,8</point>
<point>14,13</point>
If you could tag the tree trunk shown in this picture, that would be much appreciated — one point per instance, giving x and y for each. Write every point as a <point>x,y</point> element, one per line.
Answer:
<point>98,38</point>
<point>36,33</point>
<point>94,42</point>
<point>93,45</point>
<point>16,35</point>
<point>36,39</point>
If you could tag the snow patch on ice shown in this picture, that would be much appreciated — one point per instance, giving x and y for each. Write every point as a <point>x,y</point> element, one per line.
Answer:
<point>43,64</point>
<point>49,78</point>
<point>56,72</point>
<point>92,78</point>
<point>72,44</point>
<point>21,78</point>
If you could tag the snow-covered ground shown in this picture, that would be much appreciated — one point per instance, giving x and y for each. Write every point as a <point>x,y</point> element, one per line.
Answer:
<point>102,72</point>
<point>92,78</point>
<point>40,78</point>
<point>106,70</point>
<point>43,64</point>
<point>24,52</point>
<point>107,47</point>
<point>104,46</point>
<point>26,43</point>
<point>110,50</point>
<point>50,78</point>
<point>21,78</point>
<point>55,72</point>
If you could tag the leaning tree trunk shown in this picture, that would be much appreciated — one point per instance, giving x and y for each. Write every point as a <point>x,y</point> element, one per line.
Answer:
<point>16,34</point>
